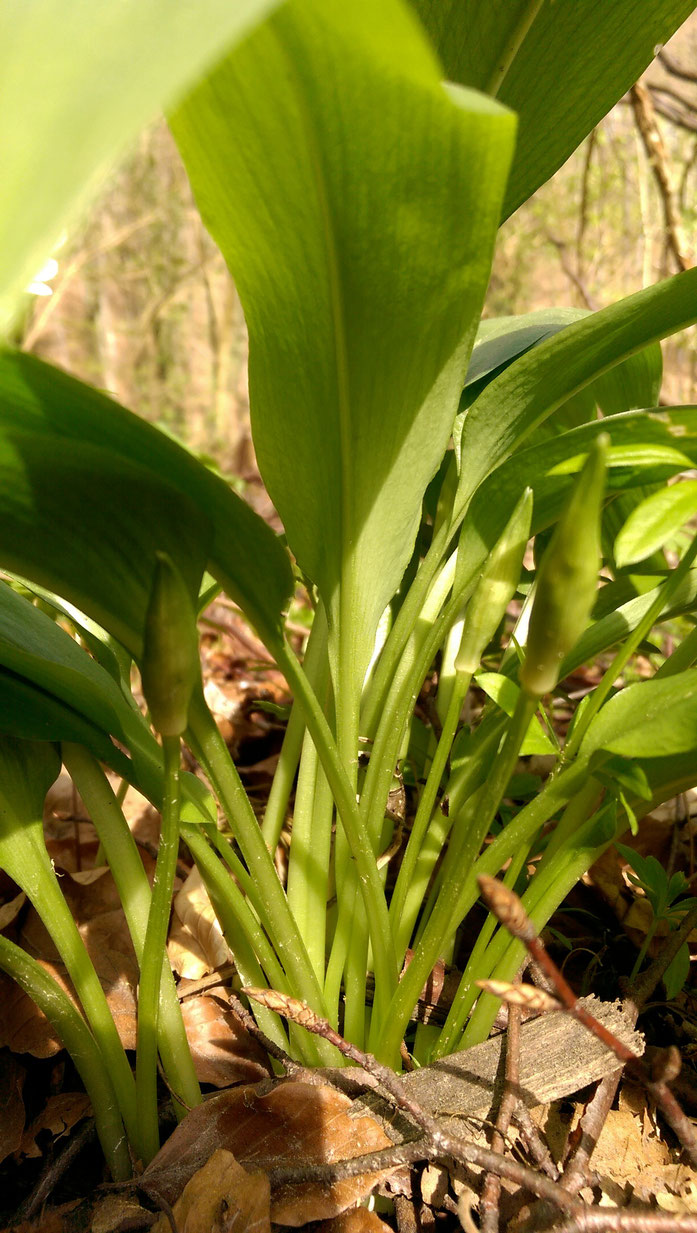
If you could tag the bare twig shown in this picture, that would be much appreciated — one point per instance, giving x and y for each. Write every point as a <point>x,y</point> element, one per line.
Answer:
<point>649,132</point>
<point>676,69</point>
<point>290,1066</point>
<point>583,1140</point>
<point>54,1171</point>
<point>628,1221</point>
<point>491,1188</point>
<point>442,1144</point>
<point>507,907</point>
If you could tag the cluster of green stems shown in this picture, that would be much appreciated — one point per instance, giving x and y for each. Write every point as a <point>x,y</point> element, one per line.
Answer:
<point>334,922</point>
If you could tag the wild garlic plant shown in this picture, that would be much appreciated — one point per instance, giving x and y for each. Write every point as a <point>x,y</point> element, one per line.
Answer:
<point>412,450</point>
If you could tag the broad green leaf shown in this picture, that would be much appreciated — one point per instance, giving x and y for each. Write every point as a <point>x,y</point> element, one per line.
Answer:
<point>646,447</point>
<point>634,383</point>
<point>355,200</point>
<point>500,340</point>
<point>27,770</point>
<point>561,74</point>
<point>532,389</point>
<point>652,719</point>
<point>654,521</point>
<point>677,973</point>
<point>616,625</point>
<point>86,523</point>
<point>504,693</point>
<point>79,81</point>
<point>50,689</point>
<point>127,491</point>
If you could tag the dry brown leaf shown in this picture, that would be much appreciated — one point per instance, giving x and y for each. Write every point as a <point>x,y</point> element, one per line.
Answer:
<point>61,1113</point>
<point>10,911</point>
<point>12,1077</point>
<point>96,908</point>
<point>630,1154</point>
<point>355,1220</point>
<point>63,1219</point>
<point>292,1122</point>
<point>684,1204</point>
<point>222,1197</point>
<point>223,1051</point>
<point>196,943</point>
<point>117,1212</point>
<point>23,1027</point>
<point>435,1181</point>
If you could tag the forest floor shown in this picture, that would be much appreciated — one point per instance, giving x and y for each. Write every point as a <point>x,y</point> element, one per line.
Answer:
<point>265,1150</point>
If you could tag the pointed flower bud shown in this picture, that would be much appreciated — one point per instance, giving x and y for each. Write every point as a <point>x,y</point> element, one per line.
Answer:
<point>171,667</point>
<point>496,587</point>
<point>567,578</point>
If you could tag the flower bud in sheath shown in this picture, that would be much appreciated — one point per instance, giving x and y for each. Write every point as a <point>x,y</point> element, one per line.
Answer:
<point>496,587</point>
<point>171,667</point>
<point>567,578</point>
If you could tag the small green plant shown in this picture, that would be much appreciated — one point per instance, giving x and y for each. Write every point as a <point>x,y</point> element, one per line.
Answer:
<point>668,905</point>
<point>412,451</point>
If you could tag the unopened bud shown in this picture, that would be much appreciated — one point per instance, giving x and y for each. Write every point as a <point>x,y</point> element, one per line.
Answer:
<point>171,667</point>
<point>567,578</point>
<point>496,587</point>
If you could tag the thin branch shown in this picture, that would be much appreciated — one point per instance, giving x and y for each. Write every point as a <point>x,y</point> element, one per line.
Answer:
<point>442,1144</point>
<point>675,68</point>
<point>508,909</point>
<point>649,132</point>
<point>491,1188</point>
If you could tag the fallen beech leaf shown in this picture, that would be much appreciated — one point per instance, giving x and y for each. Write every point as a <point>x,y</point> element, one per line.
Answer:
<point>63,1219</point>
<point>223,1051</point>
<point>222,1197</point>
<point>60,1114</point>
<point>196,943</point>
<point>291,1123</point>
<point>116,1212</point>
<point>684,1204</point>
<point>12,1077</point>
<point>9,911</point>
<point>96,908</point>
<point>355,1220</point>
<point>23,1027</point>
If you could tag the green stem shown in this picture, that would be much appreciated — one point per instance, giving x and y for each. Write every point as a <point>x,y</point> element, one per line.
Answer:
<point>542,898</point>
<point>644,948</point>
<point>154,948</point>
<point>627,650</point>
<point>403,925</point>
<point>135,895</point>
<point>242,933</point>
<point>24,856</point>
<point>445,917</point>
<point>310,855</point>
<point>359,842</point>
<point>513,45</point>
<point>432,625</point>
<point>467,991</point>
<point>399,635</point>
<point>74,1034</point>
<point>271,901</point>
<point>316,668</point>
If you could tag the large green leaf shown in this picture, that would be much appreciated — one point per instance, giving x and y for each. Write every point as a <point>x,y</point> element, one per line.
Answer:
<point>355,200</point>
<point>652,719</point>
<point>79,81</point>
<point>531,389</point>
<point>633,383</point>
<point>90,492</point>
<point>654,521</point>
<point>645,448</point>
<point>561,75</point>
